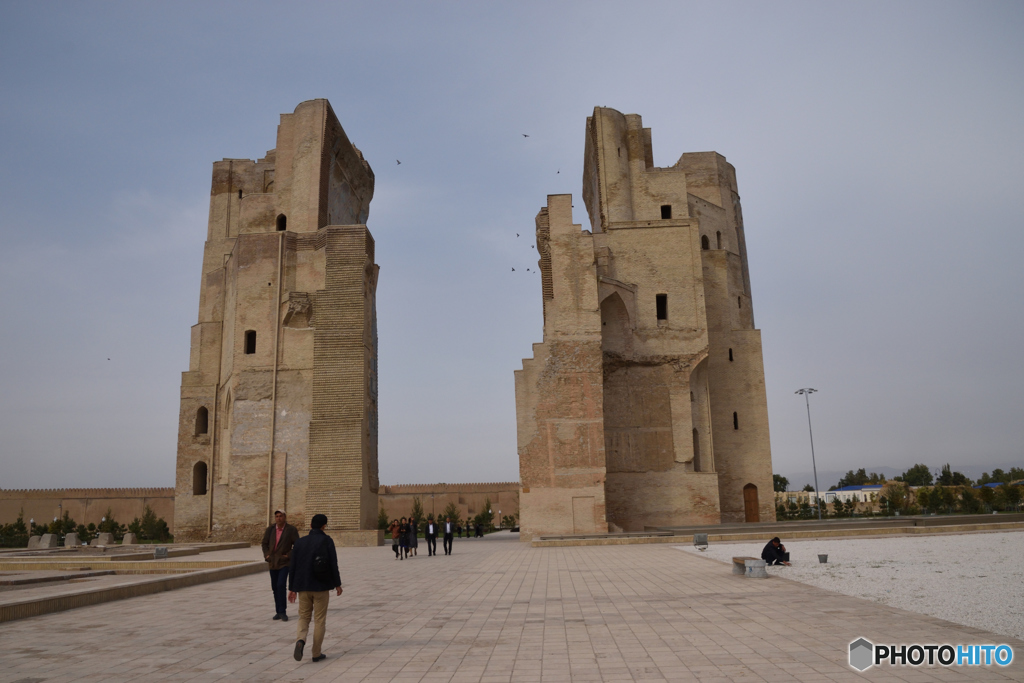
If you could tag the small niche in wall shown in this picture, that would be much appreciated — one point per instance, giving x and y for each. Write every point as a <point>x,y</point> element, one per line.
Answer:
<point>661,304</point>
<point>250,342</point>
<point>735,421</point>
<point>202,421</point>
<point>199,479</point>
<point>718,236</point>
<point>666,211</point>
<point>730,355</point>
<point>282,222</point>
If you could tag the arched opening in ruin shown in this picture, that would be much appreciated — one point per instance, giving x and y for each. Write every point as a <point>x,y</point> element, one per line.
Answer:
<point>705,244</point>
<point>199,479</point>
<point>719,236</point>
<point>750,508</point>
<point>616,331</point>
<point>730,355</point>
<point>735,421</point>
<point>282,222</point>
<point>202,421</point>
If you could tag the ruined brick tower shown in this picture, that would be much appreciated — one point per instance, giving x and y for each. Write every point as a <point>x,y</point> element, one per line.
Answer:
<point>279,405</point>
<point>645,404</point>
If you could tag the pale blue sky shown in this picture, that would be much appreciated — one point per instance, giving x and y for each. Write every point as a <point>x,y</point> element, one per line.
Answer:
<point>879,149</point>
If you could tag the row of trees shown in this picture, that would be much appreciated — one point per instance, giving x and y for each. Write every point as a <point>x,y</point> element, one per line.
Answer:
<point>896,497</point>
<point>147,528</point>
<point>918,475</point>
<point>485,518</point>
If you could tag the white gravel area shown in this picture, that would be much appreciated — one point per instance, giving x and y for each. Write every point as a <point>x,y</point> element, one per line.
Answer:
<point>971,579</point>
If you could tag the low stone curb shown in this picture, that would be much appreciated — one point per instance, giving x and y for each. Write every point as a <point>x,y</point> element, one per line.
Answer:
<point>38,606</point>
<point>789,534</point>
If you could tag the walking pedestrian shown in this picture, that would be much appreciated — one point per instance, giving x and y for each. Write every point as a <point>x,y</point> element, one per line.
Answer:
<point>313,572</point>
<point>403,537</point>
<point>393,530</point>
<point>448,529</point>
<point>414,532</point>
<point>431,535</point>
<point>278,540</point>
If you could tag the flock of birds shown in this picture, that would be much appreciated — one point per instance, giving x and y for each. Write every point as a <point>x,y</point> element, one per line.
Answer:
<point>558,172</point>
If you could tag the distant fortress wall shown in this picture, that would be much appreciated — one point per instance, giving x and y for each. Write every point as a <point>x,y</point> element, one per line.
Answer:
<point>86,506</point>
<point>470,498</point>
<point>90,505</point>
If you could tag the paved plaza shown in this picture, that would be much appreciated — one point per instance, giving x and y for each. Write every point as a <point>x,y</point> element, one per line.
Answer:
<point>496,610</point>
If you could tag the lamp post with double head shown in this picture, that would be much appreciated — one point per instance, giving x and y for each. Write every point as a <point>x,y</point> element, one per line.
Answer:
<point>806,394</point>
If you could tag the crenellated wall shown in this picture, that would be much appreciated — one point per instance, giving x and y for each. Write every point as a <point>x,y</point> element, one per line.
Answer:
<point>90,505</point>
<point>86,506</point>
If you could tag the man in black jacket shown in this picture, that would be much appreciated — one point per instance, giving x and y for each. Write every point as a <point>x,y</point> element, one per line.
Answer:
<point>430,533</point>
<point>312,573</point>
<point>278,540</point>
<point>449,534</point>
<point>775,552</point>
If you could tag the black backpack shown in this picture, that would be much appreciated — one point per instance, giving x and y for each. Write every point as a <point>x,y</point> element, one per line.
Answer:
<point>322,564</point>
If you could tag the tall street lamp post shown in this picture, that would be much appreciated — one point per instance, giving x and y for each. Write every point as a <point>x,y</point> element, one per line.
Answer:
<point>817,497</point>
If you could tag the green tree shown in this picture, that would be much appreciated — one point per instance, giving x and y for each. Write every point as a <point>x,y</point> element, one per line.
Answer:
<point>383,521</point>
<point>987,495</point>
<point>1008,497</point>
<point>150,527</point>
<point>487,515</point>
<point>808,488</point>
<point>781,483</point>
<point>950,478</point>
<point>969,502</point>
<point>897,494</point>
<point>452,511</point>
<point>918,475</point>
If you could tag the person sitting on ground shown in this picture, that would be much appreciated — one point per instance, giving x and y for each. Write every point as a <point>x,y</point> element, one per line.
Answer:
<point>775,553</point>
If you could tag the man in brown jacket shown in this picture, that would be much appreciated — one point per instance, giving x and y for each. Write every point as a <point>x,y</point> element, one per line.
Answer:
<point>278,540</point>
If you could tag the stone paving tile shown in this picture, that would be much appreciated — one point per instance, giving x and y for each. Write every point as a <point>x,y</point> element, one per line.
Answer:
<point>496,610</point>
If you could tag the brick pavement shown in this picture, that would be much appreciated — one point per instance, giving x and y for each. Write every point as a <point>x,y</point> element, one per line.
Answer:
<point>496,610</point>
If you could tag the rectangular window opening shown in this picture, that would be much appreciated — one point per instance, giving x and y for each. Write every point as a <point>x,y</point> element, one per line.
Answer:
<point>661,303</point>
<point>666,211</point>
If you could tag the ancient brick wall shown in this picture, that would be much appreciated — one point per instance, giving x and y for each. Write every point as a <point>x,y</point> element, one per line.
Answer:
<point>86,506</point>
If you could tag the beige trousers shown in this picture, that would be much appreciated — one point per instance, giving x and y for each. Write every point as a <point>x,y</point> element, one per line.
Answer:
<point>313,603</point>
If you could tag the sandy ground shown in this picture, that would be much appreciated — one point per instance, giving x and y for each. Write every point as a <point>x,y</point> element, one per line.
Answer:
<point>970,579</point>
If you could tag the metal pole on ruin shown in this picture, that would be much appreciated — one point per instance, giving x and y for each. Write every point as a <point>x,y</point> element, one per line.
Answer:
<point>817,497</point>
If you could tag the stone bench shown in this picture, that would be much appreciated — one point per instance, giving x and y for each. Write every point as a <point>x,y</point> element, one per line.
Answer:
<point>753,567</point>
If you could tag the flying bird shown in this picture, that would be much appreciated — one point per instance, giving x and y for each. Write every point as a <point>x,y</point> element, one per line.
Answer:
<point>513,270</point>
<point>525,135</point>
<point>398,162</point>
<point>558,171</point>
<point>517,234</point>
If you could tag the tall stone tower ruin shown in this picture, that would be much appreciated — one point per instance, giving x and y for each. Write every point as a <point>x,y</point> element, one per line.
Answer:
<point>645,404</point>
<point>279,404</point>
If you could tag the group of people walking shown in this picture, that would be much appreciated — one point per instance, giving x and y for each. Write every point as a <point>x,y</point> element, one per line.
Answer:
<point>405,535</point>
